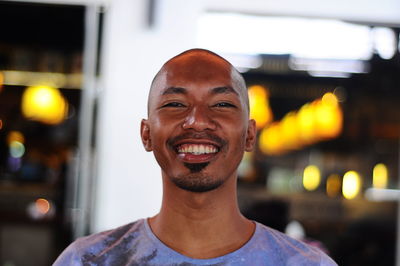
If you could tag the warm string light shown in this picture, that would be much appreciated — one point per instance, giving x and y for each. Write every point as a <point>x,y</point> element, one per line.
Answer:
<point>319,120</point>
<point>351,184</point>
<point>380,176</point>
<point>311,177</point>
<point>259,106</point>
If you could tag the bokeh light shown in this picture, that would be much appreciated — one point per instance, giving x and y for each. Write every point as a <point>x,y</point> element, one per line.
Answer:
<point>44,104</point>
<point>17,149</point>
<point>15,136</point>
<point>380,176</point>
<point>14,164</point>
<point>319,120</point>
<point>259,106</point>
<point>270,140</point>
<point>1,124</point>
<point>305,122</point>
<point>42,206</point>
<point>351,184</point>
<point>311,177</point>
<point>328,117</point>
<point>290,131</point>
<point>333,185</point>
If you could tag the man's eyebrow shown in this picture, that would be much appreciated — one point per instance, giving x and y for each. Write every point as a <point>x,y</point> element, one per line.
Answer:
<point>226,89</point>
<point>174,90</point>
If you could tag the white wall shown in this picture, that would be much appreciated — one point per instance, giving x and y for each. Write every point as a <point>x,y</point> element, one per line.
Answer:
<point>129,182</point>
<point>381,11</point>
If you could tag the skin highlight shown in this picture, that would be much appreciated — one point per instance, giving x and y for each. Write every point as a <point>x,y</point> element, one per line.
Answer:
<point>198,99</point>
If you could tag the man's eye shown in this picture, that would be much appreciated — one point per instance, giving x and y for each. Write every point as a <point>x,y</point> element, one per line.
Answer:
<point>173,104</point>
<point>225,104</point>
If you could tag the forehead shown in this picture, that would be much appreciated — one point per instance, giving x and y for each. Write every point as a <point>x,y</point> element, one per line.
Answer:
<point>197,70</point>
<point>197,73</point>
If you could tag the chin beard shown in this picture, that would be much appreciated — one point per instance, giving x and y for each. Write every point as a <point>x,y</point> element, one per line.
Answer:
<point>195,167</point>
<point>196,181</point>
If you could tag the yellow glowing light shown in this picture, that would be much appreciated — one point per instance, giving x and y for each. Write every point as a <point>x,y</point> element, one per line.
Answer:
<point>42,206</point>
<point>330,99</point>
<point>271,140</point>
<point>306,123</point>
<point>15,136</point>
<point>311,177</point>
<point>333,185</point>
<point>351,184</point>
<point>44,104</point>
<point>290,132</point>
<point>17,149</point>
<point>259,106</point>
<point>328,117</point>
<point>380,176</point>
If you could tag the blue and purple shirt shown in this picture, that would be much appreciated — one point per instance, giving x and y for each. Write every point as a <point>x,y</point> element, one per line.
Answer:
<point>136,244</point>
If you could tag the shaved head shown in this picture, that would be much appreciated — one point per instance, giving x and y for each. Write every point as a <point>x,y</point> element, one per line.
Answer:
<point>198,124</point>
<point>195,57</point>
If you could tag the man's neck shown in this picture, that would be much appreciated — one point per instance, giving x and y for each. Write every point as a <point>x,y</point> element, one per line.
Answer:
<point>202,225</point>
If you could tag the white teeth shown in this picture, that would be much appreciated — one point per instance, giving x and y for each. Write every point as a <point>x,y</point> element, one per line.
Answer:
<point>197,149</point>
<point>202,149</point>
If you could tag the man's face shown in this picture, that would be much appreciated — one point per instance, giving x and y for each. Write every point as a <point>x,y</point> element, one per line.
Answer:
<point>198,125</point>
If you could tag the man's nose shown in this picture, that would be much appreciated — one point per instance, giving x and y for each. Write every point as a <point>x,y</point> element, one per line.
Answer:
<point>199,119</point>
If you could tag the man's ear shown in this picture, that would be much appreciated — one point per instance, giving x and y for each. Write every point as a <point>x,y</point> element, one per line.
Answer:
<point>145,135</point>
<point>251,135</point>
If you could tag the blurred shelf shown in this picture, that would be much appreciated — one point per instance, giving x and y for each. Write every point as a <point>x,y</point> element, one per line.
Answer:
<point>28,78</point>
<point>19,188</point>
<point>317,206</point>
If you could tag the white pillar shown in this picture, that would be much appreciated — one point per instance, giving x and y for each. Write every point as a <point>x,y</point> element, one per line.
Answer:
<point>129,180</point>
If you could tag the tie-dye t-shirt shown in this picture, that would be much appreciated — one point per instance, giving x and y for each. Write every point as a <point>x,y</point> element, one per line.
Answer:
<point>135,244</point>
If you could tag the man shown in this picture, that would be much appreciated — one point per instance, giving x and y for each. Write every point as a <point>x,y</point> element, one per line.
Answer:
<point>198,128</point>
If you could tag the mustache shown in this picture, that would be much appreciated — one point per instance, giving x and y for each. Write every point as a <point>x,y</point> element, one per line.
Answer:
<point>196,135</point>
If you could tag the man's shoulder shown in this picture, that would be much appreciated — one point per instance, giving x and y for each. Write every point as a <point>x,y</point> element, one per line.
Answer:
<point>283,246</point>
<point>109,237</point>
<point>89,247</point>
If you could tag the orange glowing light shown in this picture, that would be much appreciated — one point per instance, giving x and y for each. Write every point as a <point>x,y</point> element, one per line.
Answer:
<point>319,120</point>
<point>42,206</point>
<point>306,123</point>
<point>328,117</point>
<point>259,106</point>
<point>1,80</point>
<point>271,140</point>
<point>290,131</point>
<point>1,124</point>
<point>15,136</point>
<point>333,185</point>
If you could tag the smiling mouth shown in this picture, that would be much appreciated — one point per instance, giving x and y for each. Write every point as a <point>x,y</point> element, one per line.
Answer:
<point>197,149</point>
<point>196,153</point>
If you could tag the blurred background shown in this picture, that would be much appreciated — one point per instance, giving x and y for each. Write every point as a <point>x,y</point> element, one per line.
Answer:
<point>324,86</point>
